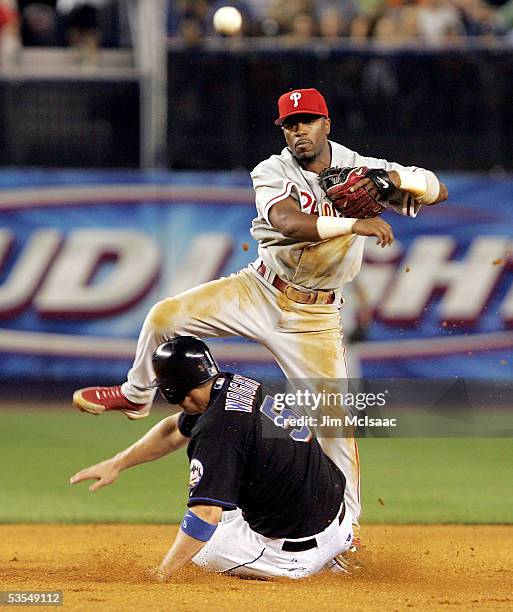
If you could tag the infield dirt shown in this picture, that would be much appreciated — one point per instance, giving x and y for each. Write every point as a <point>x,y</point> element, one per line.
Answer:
<point>103,567</point>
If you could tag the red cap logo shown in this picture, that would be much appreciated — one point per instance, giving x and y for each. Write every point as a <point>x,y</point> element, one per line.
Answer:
<point>309,101</point>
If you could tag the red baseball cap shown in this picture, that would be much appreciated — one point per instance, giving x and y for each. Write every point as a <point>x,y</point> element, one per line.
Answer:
<point>309,101</point>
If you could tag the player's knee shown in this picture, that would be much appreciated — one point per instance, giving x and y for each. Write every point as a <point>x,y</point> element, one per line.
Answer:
<point>164,315</point>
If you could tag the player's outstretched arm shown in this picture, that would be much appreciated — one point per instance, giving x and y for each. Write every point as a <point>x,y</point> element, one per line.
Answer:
<point>198,525</point>
<point>162,439</point>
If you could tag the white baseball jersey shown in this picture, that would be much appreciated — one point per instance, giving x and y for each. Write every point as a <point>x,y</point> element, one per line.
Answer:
<point>328,264</point>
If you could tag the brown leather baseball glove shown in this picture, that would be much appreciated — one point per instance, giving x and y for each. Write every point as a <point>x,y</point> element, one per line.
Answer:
<point>358,204</point>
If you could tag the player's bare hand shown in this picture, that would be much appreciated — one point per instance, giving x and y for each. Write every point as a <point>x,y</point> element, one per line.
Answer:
<point>104,473</point>
<point>375,227</point>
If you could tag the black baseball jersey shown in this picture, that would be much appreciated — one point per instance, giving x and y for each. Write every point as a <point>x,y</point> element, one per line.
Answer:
<point>285,488</point>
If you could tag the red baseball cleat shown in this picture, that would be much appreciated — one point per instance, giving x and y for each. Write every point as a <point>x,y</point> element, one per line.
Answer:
<point>97,400</point>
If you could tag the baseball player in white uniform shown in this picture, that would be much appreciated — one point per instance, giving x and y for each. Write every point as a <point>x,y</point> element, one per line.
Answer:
<point>289,298</point>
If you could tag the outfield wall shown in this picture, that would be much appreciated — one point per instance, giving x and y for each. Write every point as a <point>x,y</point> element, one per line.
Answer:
<point>85,254</point>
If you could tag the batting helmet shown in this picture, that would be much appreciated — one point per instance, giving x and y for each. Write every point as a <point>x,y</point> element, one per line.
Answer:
<point>180,365</point>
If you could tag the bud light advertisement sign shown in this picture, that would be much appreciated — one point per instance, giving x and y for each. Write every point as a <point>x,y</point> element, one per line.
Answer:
<point>84,256</point>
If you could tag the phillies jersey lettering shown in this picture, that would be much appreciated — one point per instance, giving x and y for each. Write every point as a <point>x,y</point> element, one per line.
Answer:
<point>309,203</point>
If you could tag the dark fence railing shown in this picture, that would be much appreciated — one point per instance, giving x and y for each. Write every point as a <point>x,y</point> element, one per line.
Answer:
<point>443,109</point>
<point>69,122</point>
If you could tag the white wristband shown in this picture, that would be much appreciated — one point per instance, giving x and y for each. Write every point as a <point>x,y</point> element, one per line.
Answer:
<point>413,182</point>
<point>433,189</point>
<point>330,227</point>
<point>423,185</point>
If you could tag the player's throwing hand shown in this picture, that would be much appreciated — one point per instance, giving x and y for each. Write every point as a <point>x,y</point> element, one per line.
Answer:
<point>375,227</point>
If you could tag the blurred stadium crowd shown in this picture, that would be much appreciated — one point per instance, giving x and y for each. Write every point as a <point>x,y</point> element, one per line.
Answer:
<point>430,21</point>
<point>91,24</point>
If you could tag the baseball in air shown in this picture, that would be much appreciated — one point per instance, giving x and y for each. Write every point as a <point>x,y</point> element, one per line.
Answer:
<point>227,20</point>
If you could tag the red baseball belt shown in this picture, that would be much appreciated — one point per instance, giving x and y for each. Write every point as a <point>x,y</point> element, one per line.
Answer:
<point>301,296</point>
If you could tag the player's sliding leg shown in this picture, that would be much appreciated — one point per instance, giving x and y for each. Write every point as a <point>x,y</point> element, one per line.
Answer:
<point>214,309</point>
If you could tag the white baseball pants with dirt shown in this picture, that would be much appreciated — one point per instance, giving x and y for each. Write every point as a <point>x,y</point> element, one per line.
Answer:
<point>236,549</point>
<point>305,340</point>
